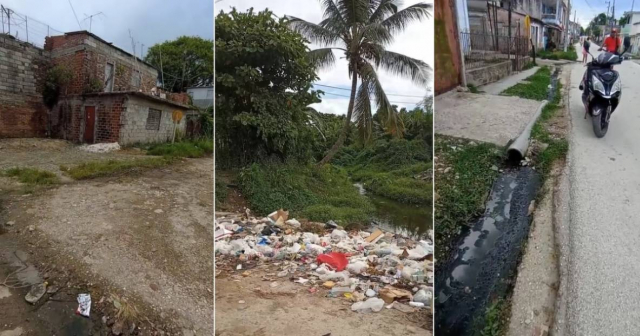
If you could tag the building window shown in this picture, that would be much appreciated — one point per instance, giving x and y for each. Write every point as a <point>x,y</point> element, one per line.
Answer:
<point>136,78</point>
<point>108,77</point>
<point>153,120</point>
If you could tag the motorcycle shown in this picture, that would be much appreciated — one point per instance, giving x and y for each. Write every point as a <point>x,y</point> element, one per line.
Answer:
<point>603,89</point>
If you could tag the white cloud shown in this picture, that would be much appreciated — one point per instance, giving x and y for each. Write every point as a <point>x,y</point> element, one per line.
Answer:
<point>416,41</point>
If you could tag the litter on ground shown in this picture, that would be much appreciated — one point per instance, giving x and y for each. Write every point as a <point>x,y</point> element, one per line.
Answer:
<point>370,269</point>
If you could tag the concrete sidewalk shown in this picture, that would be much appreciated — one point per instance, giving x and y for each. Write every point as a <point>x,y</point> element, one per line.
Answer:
<point>482,117</point>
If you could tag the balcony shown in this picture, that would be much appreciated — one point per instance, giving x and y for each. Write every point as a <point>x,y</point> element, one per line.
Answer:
<point>551,19</point>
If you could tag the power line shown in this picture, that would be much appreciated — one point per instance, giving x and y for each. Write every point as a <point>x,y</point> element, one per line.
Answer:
<point>388,94</point>
<point>395,102</point>
<point>74,14</point>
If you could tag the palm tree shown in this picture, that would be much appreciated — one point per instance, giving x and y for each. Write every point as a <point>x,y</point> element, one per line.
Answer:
<point>361,29</point>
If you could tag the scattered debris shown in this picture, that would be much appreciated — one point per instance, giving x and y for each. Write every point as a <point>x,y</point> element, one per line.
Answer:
<point>365,269</point>
<point>101,147</point>
<point>35,293</point>
<point>84,305</point>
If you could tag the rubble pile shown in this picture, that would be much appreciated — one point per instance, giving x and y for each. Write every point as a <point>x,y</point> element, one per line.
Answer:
<point>371,269</point>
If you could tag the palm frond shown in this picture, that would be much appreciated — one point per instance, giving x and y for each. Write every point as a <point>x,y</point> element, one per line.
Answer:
<point>322,58</point>
<point>333,19</point>
<point>354,11</point>
<point>399,21</point>
<point>376,33</point>
<point>405,66</point>
<point>362,113</point>
<point>384,9</point>
<point>313,32</point>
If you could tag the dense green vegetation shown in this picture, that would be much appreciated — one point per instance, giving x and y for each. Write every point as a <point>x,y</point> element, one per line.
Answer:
<point>317,193</point>
<point>570,54</point>
<point>186,61</point>
<point>266,130</point>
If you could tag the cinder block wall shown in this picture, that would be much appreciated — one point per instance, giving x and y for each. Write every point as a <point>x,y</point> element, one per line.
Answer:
<point>134,120</point>
<point>22,71</point>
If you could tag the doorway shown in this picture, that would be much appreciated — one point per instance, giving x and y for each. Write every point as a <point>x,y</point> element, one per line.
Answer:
<point>89,124</point>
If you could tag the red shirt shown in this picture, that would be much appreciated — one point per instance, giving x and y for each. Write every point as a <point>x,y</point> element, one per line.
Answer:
<point>611,44</point>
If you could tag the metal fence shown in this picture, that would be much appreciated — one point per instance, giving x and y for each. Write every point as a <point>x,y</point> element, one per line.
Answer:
<point>483,49</point>
<point>25,28</point>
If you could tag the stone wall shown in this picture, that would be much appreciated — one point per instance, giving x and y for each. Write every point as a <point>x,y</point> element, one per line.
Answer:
<point>134,121</point>
<point>489,74</point>
<point>22,71</point>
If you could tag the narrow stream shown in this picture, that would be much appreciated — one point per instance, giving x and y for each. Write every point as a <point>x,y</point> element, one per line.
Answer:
<point>408,220</point>
<point>485,262</point>
<point>487,255</point>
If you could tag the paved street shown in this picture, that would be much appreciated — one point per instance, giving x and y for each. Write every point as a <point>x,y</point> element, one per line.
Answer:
<point>604,272</point>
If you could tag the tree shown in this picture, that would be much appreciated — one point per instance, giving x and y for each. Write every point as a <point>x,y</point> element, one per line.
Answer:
<point>263,90</point>
<point>361,29</point>
<point>185,62</point>
<point>625,19</point>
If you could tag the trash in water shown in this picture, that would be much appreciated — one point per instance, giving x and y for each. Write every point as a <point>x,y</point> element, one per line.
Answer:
<point>84,305</point>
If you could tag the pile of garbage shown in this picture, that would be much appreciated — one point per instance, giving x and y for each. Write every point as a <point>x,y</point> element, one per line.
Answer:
<point>372,269</point>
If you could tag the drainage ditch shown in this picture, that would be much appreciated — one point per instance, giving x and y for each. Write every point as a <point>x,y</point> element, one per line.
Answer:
<point>484,265</point>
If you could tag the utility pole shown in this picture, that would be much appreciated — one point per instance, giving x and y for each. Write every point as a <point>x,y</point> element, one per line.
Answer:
<point>8,11</point>
<point>567,26</point>
<point>509,43</point>
<point>613,14</point>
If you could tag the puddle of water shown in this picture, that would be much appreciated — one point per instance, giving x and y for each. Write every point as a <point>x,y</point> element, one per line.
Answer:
<point>486,254</point>
<point>17,261</point>
<point>404,219</point>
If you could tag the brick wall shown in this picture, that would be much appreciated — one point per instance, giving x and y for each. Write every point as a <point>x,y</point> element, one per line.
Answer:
<point>68,121</point>
<point>448,65</point>
<point>22,70</point>
<point>88,56</point>
<point>134,121</point>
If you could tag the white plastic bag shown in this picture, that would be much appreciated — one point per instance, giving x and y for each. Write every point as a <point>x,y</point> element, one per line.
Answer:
<point>374,304</point>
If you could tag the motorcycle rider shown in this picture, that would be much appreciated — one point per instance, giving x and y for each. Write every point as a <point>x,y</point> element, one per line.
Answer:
<point>610,44</point>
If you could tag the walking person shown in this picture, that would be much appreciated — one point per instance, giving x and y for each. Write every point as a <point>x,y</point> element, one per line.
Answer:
<point>585,51</point>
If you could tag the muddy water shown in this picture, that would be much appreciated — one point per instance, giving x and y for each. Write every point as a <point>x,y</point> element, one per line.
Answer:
<point>405,219</point>
<point>487,255</point>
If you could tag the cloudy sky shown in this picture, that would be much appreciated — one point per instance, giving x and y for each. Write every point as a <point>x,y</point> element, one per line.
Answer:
<point>150,21</point>
<point>587,10</point>
<point>416,41</point>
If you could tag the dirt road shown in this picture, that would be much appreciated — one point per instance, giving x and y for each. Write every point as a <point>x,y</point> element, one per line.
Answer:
<point>146,238</point>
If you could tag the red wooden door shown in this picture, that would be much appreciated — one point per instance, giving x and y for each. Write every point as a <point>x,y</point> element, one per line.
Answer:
<point>89,123</point>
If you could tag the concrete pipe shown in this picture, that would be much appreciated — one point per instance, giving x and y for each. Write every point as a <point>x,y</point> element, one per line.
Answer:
<point>518,148</point>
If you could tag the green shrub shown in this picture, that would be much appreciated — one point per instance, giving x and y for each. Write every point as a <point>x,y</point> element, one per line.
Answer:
<point>32,176</point>
<point>316,193</point>
<point>189,149</point>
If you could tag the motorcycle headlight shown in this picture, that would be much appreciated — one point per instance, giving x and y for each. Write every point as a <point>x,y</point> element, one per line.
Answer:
<point>598,86</point>
<point>617,86</point>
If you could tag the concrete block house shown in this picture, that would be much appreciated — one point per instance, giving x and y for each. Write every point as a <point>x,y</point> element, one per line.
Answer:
<point>112,96</point>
